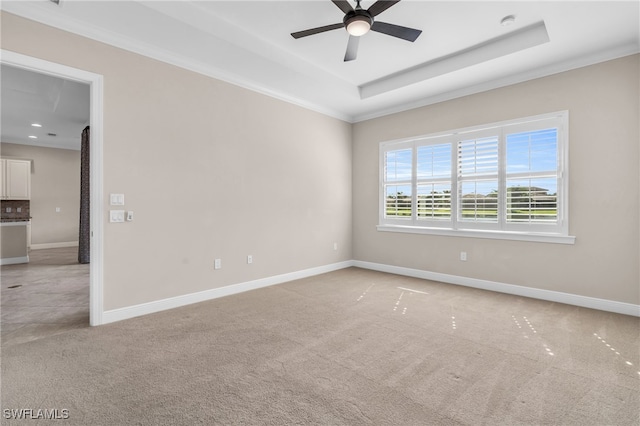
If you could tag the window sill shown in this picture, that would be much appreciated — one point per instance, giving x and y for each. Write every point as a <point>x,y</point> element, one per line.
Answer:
<point>494,235</point>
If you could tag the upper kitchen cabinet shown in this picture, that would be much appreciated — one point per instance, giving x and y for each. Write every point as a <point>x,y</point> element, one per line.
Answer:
<point>16,179</point>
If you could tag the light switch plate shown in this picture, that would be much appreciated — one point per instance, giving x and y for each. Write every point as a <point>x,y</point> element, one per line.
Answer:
<point>129,215</point>
<point>117,199</point>
<point>116,216</point>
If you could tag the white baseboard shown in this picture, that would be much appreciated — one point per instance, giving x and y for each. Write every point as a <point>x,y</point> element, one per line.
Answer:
<point>187,299</point>
<point>54,245</point>
<point>14,260</point>
<point>535,293</point>
<point>214,293</point>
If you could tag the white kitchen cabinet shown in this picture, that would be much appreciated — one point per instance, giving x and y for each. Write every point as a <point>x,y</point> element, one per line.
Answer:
<point>16,179</point>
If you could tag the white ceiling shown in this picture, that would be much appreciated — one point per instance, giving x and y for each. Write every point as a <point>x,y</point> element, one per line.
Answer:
<point>463,49</point>
<point>60,106</point>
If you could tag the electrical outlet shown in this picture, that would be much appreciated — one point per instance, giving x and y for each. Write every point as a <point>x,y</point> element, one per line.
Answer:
<point>335,246</point>
<point>249,259</point>
<point>217,264</point>
<point>8,209</point>
<point>463,256</point>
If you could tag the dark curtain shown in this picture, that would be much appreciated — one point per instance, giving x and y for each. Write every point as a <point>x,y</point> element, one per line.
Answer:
<point>84,238</point>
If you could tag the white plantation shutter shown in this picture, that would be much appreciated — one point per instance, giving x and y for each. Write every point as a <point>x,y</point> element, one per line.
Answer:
<point>532,176</point>
<point>478,179</point>
<point>398,166</point>
<point>398,172</point>
<point>505,177</point>
<point>433,183</point>
<point>478,157</point>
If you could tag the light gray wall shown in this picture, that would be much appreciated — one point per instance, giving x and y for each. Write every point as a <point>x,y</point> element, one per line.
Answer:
<point>210,170</point>
<point>55,182</point>
<point>604,140</point>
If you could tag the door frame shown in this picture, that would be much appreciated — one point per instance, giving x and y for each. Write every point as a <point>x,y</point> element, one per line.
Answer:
<point>95,82</point>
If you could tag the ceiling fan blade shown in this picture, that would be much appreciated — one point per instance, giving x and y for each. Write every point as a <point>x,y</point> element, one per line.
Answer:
<point>380,6</point>
<point>343,5</point>
<point>318,30</point>
<point>352,48</point>
<point>404,33</point>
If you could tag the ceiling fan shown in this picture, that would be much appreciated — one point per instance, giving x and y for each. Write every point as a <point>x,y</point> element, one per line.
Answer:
<point>359,21</point>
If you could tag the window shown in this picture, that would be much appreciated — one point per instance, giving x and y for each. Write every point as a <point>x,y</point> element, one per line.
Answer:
<point>503,180</point>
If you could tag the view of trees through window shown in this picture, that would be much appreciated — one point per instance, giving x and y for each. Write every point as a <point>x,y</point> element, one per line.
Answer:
<point>524,203</point>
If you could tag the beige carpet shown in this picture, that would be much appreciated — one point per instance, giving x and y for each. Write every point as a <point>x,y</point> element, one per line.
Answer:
<point>350,347</point>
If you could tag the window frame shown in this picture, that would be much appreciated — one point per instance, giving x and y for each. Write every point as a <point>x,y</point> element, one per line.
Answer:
<point>503,229</point>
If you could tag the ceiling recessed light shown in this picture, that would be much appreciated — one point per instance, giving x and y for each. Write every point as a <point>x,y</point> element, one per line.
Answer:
<point>33,137</point>
<point>36,125</point>
<point>508,20</point>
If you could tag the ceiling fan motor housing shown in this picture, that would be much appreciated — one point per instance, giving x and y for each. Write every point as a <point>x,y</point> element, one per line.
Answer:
<point>358,17</point>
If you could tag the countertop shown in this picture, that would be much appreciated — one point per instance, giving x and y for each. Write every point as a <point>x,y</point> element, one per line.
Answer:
<point>16,221</point>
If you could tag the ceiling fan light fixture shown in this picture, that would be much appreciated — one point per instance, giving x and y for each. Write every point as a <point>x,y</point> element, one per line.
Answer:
<point>358,26</point>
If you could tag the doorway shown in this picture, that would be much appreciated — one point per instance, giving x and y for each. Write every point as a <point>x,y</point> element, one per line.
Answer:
<point>95,82</point>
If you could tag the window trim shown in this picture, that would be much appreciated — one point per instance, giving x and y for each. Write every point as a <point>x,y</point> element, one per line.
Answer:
<point>556,233</point>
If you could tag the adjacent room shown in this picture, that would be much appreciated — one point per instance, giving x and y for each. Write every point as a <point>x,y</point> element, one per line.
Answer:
<point>46,290</point>
<point>323,212</point>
